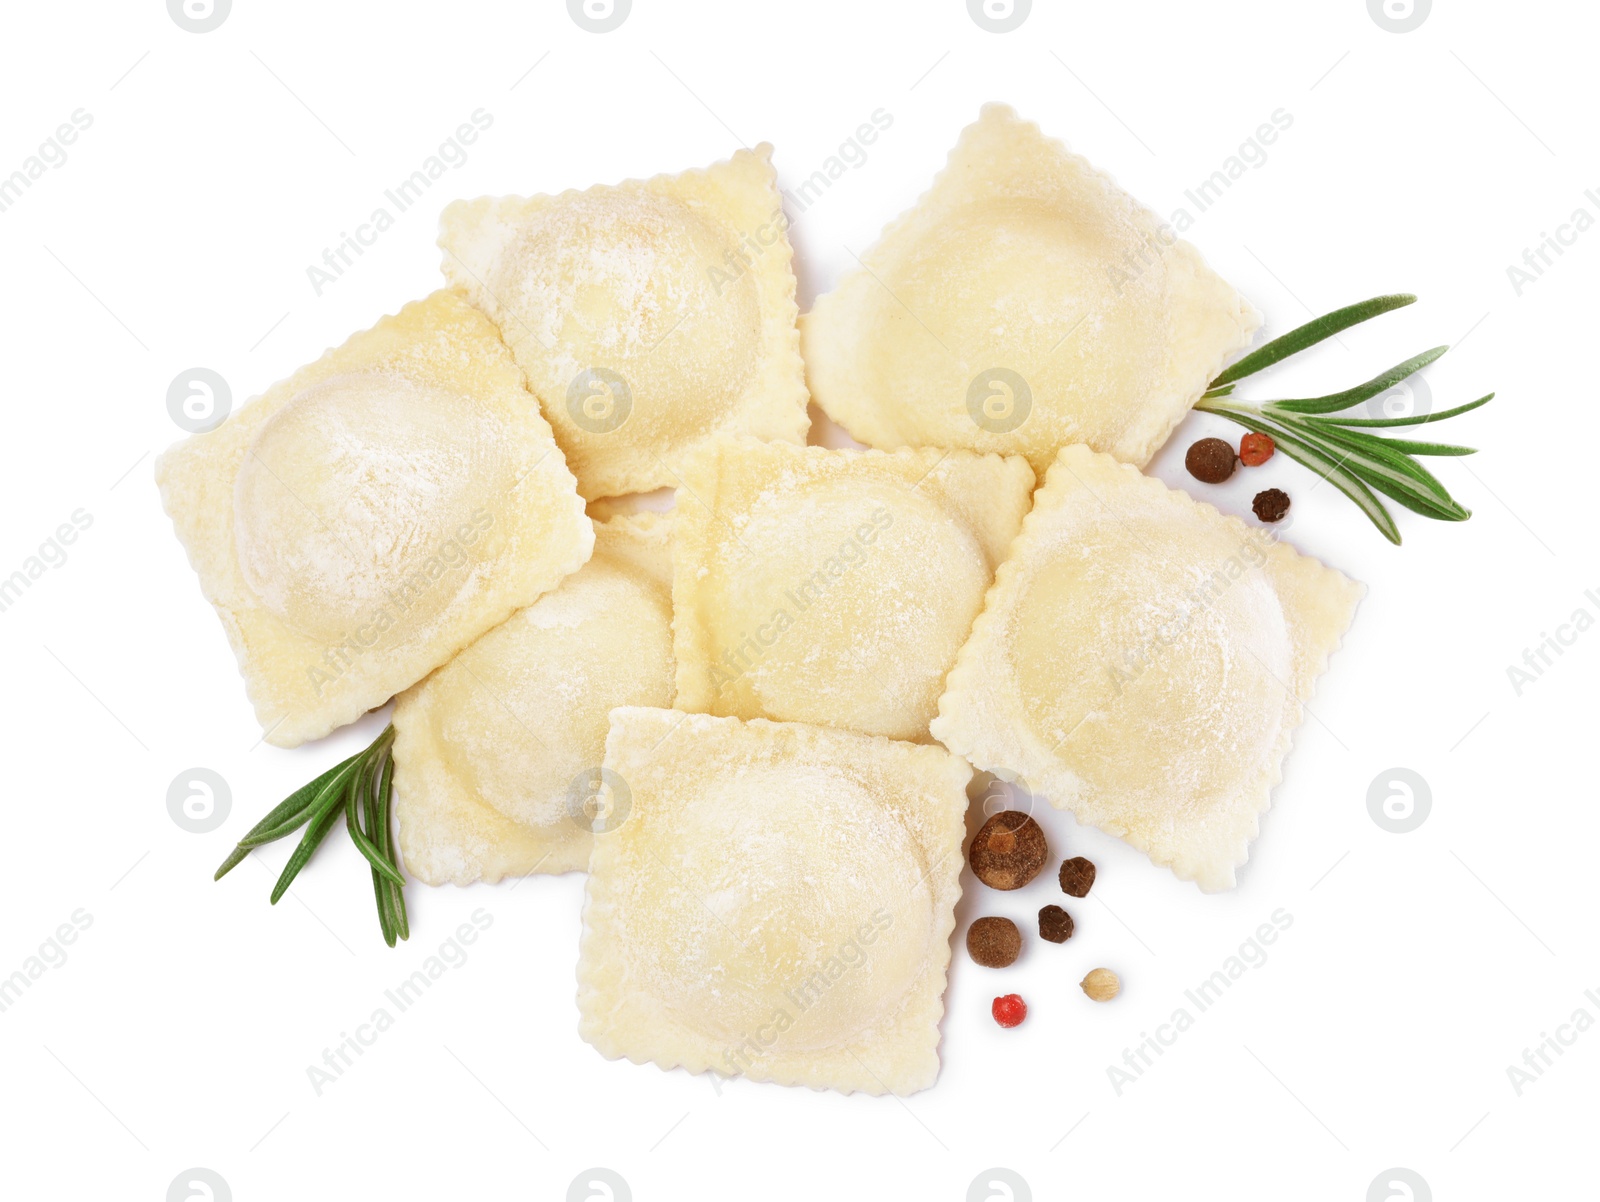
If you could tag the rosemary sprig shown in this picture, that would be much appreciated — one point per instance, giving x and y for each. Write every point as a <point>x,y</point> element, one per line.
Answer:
<point>1338,448</point>
<point>359,789</point>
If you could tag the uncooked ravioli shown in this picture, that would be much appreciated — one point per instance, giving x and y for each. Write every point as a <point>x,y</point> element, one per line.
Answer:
<point>342,488</point>
<point>1023,304</point>
<point>1143,660</point>
<point>497,754</point>
<point>647,316</point>
<point>834,587</point>
<point>363,520</point>
<point>777,903</point>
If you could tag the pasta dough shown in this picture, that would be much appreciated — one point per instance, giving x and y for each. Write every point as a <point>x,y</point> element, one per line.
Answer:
<point>494,752</point>
<point>834,587</point>
<point>1024,303</point>
<point>1143,661</point>
<point>365,519</point>
<point>647,316</point>
<point>778,902</point>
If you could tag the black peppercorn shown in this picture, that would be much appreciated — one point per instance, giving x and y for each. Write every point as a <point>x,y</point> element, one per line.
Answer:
<point>1271,504</point>
<point>1077,877</point>
<point>994,942</point>
<point>1055,924</point>
<point>1008,851</point>
<point>1211,460</point>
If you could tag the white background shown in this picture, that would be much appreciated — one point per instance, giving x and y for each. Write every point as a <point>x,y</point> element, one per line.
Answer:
<point>1418,967</point>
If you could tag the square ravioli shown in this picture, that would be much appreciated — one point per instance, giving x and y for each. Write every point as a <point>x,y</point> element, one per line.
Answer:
<point>776,901</point>
<point>1143,661</point>
<point>834,586</point>
<point>362,521</point>
<point>497,754</point>
<point>648,315</point>
<point>1024,303</point>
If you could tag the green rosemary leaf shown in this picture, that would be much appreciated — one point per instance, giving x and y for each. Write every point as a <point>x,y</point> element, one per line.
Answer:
<point>353,812</point>
<point>1406,447</point>
<point>1346,482</point>
<point>1212,393</point>
<point>397,897</point>
<point>1401,488</point>
<point>298,802</point>
<point>288,816</point>
<point>1317,459</point>
<point>1399,469</point>
<point>1409,421</point>
<point>309,842</point>
<point>1382,382</point>
<point>1400,485</point>
<point>397,906</point>
<point>359,788</point>
<point>380,890</point>
<point>235,858</point>
<point>374,857</point>
<point>1310,334</point>
<point>1390,475</point>
<point>333,785</point>
<point>1420,503</point>
<point>1337,440</point>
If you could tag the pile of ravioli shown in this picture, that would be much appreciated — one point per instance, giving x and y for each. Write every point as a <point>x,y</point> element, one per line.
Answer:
<point>753,720</point>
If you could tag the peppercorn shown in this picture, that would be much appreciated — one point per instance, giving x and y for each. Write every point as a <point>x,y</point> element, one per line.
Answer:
<point>1008,851</point>
<point>1055,924</point>
<point>1009,1011</point>
<point>1255,449</point>
<point>1101,985</point>
<point>1210,460</point>
<point>1271,504</point>
<point>994,942</point>
<point>1077,877</point>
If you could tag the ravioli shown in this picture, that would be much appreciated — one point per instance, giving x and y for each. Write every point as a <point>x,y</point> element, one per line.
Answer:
<point>647,316</point>
<point>777,903</point>
<point>1024,303</point>
<point>1143,661</point>
<point>831,586</point>
<point>363,520</point>
<point>497,754</point>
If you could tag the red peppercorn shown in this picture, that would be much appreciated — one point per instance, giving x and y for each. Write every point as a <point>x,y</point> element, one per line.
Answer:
<point>1256,449</point>
<point>1009,1011</point>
